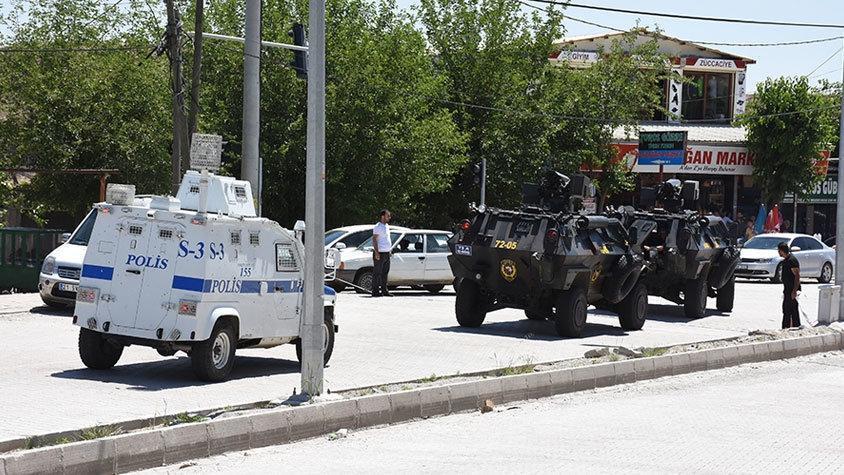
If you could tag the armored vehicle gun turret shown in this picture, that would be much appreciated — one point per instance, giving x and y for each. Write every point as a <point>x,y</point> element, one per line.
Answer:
<point>547,259</point>
<point>689,256</point>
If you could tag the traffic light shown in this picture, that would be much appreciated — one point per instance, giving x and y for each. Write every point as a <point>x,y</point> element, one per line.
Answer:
<point>477,173</point>
<point>300,58</point>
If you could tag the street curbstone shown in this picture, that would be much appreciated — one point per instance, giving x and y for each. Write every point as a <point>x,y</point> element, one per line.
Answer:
<point>306,421</point>
<point>761,351</point>
<point>271,428</point>
<point>561,381</point>
<point>341,414</point>
<point>405,405</point>
<point>662,366</point>
<point>374,410</point>
<point>185,442</point>
<point>138,450</point>
<point>604,375</point>
<point>776,350</point>
<point>434,401</point>
<point>791,348</point>
<point>229,434</point>
<point>463,396</point>
<point>35,461</point>
<point>830,342</point>
<point>539,385</point>
<point>583,378</point>
<point>745,354</point>
<point>681,363</point>
<point>807,346</point>
<point>644,368</point>
<point>2,466</point>
<point>715,358</point>
<point>697,361</point>
<point>514,388</point>
<point>625,371</point>
<point>90,456</point>
<point>731,356</point>
<point>489,388</point>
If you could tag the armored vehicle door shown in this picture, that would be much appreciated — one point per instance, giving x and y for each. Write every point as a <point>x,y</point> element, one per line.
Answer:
<point>132,244</point>
<point>158,268</point>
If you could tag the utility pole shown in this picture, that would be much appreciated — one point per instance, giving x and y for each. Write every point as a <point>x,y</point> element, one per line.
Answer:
<point>250,167</point>
<point>174,51</point>
<point>197,68</point>
<point>483,181</point>
<point>312,331</point>
<point>839,218</point>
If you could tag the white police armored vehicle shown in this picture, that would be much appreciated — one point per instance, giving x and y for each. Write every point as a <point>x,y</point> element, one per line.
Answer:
<point>198,273</point>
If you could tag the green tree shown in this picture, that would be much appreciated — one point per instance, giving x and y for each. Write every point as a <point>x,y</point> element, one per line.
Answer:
<point>788,124</point>
<point>65,108</point>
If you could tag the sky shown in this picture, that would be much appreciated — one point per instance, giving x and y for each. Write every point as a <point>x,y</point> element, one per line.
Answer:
<point>770,61</point>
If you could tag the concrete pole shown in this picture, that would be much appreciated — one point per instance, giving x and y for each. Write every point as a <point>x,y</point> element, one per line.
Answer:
<point>196,77</point>
<point>250,167</point>
<point>839,219</point>
<point>483,181</point>
<point>174,50</point>
<point>312,332</point>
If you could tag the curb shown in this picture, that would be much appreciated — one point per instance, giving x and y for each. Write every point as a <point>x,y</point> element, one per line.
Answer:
<point>170,445</point>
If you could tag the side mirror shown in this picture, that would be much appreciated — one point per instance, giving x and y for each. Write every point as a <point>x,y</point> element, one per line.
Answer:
<point>795,249</point>
<point>65,237</point>
<point>340,246</point>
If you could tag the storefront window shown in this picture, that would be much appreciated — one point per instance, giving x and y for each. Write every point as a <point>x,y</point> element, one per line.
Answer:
<point>708,96</point>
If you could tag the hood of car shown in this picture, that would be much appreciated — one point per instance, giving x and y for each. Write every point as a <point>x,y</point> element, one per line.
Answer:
<point>759,253</point>
<point>354,255</point>
<point>70,255</point>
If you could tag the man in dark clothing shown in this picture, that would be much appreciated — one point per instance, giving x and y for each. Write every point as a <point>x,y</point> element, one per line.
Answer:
<point>791,284</point>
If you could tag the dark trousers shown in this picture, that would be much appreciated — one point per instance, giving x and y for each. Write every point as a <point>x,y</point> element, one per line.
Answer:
<point>381,268</point>
<point>790,312</point>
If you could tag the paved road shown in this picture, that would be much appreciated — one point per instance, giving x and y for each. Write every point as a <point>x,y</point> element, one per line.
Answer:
<point>776,417</point>
<point>45,388</point>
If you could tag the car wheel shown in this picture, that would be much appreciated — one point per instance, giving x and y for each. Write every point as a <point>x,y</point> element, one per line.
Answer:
<point>826,273</point>
<point>328,342</point>
<point>470,305</point>
<point>633,309</point>
<point>434,288</point>
<point>363,282</point>
<point>777,278</point>
<point>213,359</point>
<point>97,352</point>
<point>570,313</point>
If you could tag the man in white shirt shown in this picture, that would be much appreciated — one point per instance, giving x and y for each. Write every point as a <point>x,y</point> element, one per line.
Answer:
<point>381,246</point>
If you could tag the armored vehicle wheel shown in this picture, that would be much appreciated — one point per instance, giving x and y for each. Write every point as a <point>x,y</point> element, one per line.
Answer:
<point>433,288</point>
<point>826,273</point>
<point>363,282</point>
<point>777,278</point>
<point>726,295</point>
<point>213,359</point>
<point>633,309</point>
<point>694,298</point>
<point>470,305</point>
<point>96,352</point>
<point>328,343</point>
<point>570,313</point>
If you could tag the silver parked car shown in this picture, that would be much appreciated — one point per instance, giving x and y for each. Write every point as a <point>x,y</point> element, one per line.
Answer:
<point>760,259</point>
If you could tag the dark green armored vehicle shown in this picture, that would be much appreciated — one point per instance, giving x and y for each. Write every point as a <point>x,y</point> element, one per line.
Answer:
<point>688,256</point>
<point>546,259</point>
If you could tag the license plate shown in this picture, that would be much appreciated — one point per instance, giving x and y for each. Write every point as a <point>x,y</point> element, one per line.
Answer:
<point>741,267</point>
<point>69,287</point>
<point>463,249</point>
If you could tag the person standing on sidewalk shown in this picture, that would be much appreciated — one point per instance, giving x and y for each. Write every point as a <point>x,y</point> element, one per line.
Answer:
<point>790,276</point>
<point>381,246</point>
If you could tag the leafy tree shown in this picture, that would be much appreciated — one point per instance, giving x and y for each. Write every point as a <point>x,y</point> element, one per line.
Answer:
<point>788,124</point>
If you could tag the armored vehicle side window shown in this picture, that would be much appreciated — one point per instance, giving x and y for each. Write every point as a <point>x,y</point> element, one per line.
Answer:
<point>254,238</point>
<point>410,243</point>
<point>437,243</point>
<point>285,260</point>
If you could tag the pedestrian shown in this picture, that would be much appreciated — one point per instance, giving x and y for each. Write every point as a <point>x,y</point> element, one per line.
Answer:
<point>750,230</point>
<point>790,275</point>
<point>381,247</point>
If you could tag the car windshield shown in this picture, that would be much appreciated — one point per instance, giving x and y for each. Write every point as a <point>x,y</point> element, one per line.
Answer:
<point>83,233</point>
<point>764,242</point>
<point>332,235</point>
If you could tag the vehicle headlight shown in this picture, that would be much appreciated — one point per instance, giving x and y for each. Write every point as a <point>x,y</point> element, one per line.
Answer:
<point>87,294</point>
<point>49,265</point>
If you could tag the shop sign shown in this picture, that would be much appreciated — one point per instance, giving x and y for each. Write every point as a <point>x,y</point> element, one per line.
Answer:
<point>700,159</point>
<point>578,56</point>
<point>662,148</point>
<point>715,63</point>
<point>825,192</point>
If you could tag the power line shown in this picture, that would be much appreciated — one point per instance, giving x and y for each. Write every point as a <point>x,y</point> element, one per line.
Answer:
<point>825,61</point>
<point>691,17</point>
<point>93,49</point>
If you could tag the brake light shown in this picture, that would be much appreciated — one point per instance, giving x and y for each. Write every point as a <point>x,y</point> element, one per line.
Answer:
<point>552,234</point>
<point>187,307</point>
<point>465,225</point>
<point>86,294</point>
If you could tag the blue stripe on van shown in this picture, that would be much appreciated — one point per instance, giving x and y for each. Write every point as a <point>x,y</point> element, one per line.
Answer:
<point>188,283</point>
<point>194,284</point>
<point>97,272</point>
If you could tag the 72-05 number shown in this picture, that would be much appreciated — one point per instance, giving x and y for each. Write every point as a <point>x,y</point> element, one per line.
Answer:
<point>506,244</point>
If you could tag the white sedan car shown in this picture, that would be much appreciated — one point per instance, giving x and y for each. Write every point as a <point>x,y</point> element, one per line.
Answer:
<point>760,259</point>
<point>419,259</point>
<point>348,237</point>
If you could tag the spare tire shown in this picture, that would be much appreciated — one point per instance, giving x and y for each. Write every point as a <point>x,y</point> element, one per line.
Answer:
<point>624,276</point>
<point>725,268</point>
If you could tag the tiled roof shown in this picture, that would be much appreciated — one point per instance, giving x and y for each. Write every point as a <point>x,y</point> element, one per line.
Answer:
<point>697,133</point>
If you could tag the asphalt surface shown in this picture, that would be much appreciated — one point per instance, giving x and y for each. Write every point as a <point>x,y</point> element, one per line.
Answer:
<point>774,417</point>
<point>45,388</point>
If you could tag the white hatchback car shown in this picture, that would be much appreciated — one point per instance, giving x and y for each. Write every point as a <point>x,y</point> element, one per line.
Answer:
<point>419,259</point>
<point>760,259</point>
